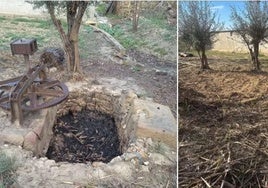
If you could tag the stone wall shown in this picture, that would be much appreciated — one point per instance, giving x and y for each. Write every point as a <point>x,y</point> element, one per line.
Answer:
<point>134,117</point>
<point>229,41</point>
<point>35,133</point>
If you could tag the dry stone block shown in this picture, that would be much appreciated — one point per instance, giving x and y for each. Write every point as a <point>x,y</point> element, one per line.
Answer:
<point>97,174</point>
<point>11,138</point>
<point>38,138</point>
<point>160,159</point>
<point>35,132</point>
<point>30,141</point>
<point>123,169</point>
<point>154,121</point>
<point>45,132</point>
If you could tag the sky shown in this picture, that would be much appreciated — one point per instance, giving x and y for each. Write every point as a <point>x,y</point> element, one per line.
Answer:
<point>223,9</point>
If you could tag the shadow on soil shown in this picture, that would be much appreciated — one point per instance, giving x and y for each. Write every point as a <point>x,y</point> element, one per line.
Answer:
<point>222,140</point>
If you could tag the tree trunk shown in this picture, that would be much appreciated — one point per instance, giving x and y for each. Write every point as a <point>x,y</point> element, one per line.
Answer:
<point>111,8</point>
<point>204,60</point>
<point>136,15</point>
<point>63,36</point>
<point>75,12</point>
<point>76,65</point>
<point>256,57</point>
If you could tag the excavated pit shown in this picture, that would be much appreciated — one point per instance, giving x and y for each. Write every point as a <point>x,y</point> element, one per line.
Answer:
<point>85,136</point>
<point>91,126</point>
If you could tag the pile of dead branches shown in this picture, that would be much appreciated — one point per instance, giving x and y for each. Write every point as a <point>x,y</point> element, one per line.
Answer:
<point>241,163</point>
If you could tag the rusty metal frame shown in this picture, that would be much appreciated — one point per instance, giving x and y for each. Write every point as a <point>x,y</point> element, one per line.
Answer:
<point>39,93</point>
<point>33,90</point>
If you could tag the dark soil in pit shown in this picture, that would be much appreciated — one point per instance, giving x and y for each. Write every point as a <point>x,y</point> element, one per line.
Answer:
<point>83,137</point>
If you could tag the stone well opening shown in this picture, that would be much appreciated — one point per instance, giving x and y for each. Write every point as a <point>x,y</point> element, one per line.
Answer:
<point>92,126</point>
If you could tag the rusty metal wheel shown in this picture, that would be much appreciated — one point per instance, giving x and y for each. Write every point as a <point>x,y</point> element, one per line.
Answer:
<point>40,94</point>
<point>5,90</point>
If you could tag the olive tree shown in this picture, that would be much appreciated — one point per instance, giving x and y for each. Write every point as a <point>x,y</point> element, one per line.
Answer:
<point>252,23</point>
<point>74,13</point>
<point>197,26</point>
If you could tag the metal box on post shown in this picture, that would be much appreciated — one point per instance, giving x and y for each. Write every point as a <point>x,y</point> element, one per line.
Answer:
<point>23,46</point>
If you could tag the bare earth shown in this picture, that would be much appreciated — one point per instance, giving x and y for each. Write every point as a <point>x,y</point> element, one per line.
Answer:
<point>222,124</point>
<point>158,76</point>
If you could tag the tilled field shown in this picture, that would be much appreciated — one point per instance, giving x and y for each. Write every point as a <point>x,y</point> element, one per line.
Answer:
<point>222,125</point>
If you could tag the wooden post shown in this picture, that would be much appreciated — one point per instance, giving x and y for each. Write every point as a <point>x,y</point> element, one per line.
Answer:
<point>27,60</point>
<point>16,111</point>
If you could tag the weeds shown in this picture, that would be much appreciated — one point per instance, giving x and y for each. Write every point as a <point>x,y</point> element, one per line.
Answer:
<point>2,18</point>
<point>7,170</point>
<point>168,37</point>
<point>115,31</point>
<point>21,19</point>
<point>155,19</point>
<point>101,8</point>
<point>125,39</point>
<point>45,33</point>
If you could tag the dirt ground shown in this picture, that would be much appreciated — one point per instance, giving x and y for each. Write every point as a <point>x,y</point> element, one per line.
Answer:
<point>158,85</point>
<point>222,124</point>
<point>156,75</point>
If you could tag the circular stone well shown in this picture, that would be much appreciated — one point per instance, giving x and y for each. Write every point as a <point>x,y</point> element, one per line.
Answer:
<point>92,126</point>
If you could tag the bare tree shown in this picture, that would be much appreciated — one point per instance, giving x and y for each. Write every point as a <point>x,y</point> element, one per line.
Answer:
<point>252,25</point>
<point>74,11</point>
<point>197,26</point>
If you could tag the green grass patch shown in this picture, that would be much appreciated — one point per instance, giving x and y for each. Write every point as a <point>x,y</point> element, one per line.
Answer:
<point>159,22</point>
<point>128,40</point>
<point>82,46</point>
<point>114,16</point>
<point>38,23</point>
<point>9,37</point>
<point>7,170</point>
<point>44,24</point>
<point>101,9</point>
<point>115,31</point>
<point>155,19</point>
<point>88,29</point>
<point>12,36</point>
<point>2,18</point>
<point>167,36</point>
<point>22,19</point>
